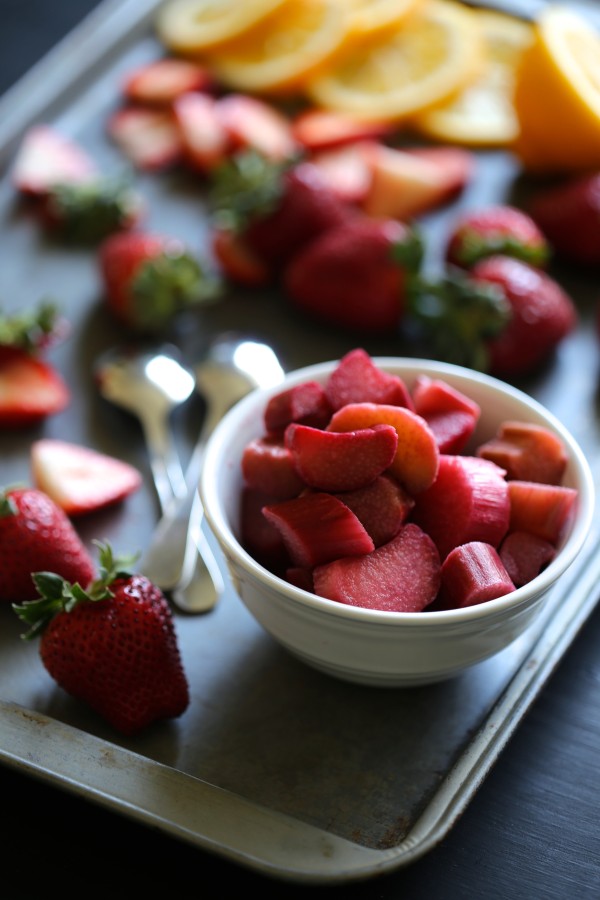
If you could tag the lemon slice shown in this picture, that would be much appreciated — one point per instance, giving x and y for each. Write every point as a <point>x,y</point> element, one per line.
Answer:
<point>279,53</point>
<point>557,95</point>
<point>483,114</point>
<point>192,26</point>
<point>435,52</point>
<point>370,17</point>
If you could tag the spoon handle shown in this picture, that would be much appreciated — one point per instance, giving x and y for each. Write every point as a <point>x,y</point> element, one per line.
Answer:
<point>167,472</point>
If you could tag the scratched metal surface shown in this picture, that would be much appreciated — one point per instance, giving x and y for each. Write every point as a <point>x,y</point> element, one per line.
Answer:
<point>336,781</point>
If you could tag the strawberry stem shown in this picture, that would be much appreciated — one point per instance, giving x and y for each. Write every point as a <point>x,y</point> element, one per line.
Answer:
<point>30,330</point>
<point>245,187</point>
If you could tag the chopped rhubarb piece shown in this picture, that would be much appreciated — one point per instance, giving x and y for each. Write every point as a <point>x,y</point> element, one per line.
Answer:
<point>301,578</point>
<point>346,171</point>
<point>528,452</point>
<point>542,509</point>
<point>253,123</point>
<point>525,555</point>
<point>357,379</point>
<point>161,81</point>
<point>317,528</point>
<point>304,403</point>
<point>258,536</point>
<point>149,138</point>
<point>203,136</point>
<point>468,501</point>
<point>320,129</point>
<point>474,573</point>
<point>47,158</point>
<point>417,455</point>
<point>340,461</point>
<point>451,415</point>
<point>382,506</point>
<point>401,576</point>
<point>268,466</point>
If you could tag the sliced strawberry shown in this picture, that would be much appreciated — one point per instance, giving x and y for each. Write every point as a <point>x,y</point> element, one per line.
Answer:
<point>30,389</point>
<point>528,452</point>
<point>237,261</point>
<point>319,129</point>
<point>252,123</point>
<point>47,158</point>
<point>542,509</point>
<point>161,81</point>
<point>356,379</point>
<point>406,184</point>
<point>149,138</point>
<point>317,528</point>
<point>305,403</point>
<point>401,576</point>
<point>78,479</point>
<point>524,556</point>
<point>341,461</point>
<point>346,171</point>
<point>468,501</point>
<point>268,466</point>
<point>204,139</point>
<point>451,415</point>
<point>474,573</point>
<point>383,506</point>
<point>456,166</point>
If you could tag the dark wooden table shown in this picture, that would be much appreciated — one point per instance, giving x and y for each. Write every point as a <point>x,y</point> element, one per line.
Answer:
<point>532,830</point>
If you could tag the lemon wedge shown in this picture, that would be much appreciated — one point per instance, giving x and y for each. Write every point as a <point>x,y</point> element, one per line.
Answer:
<point>284,49</point>
<point>192,26</point>
<point>557,95</point>
<point>435,52</point>
<point>483,114</point>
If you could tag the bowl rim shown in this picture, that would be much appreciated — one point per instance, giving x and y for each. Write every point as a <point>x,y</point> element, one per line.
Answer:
<point>522,596</point>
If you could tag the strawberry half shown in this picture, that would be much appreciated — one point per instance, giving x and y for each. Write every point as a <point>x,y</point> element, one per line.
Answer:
<point>161,81</point>
<point>37,535</point>
<point>569,215</point>
<point>149,138</point>
<point>30,389</point>
<point>150,278</point>
<point>78,479</point>
<point>112,646</point>
<point>47,158</point>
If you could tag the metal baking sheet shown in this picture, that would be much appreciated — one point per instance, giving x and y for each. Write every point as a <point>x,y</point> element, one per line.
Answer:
<point>274,766</point>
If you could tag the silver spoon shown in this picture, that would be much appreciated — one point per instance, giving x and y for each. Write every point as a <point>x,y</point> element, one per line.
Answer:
<point>234,366</point>
<point>150,384</point>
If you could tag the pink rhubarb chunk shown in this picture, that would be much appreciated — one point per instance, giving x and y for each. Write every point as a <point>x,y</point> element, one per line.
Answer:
<point>317,528</point>
<point>528,452</point>
<point>542,509</point>
<point>401,576</point>
<point>305,403</point>
<point>382,506</point>
<point>451,415</point>
<point>525,555</point>
<point>344,461</point>
<point>357,379</point>
<point>416,461</point>
<point>468,501</point>
<point>267,466</point>
<point>474,573</point>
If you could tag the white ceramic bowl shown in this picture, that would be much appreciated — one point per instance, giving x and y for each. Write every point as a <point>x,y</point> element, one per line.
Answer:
<point>371,646</point>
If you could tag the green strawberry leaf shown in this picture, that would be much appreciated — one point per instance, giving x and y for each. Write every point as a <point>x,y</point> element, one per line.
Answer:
<point>245,186</point>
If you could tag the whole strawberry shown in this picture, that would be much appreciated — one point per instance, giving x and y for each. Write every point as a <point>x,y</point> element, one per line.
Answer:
<point>113,646</point>
<point>569,216</point>
<point>496,230</point>
<point>355,276</point>
<point>35,535</point>
<point>274,210</point>
<point>150,278</point>
<point>542,315</point>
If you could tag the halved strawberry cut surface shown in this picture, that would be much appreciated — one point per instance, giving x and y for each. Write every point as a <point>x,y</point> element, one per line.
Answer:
<point>30,389</point>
